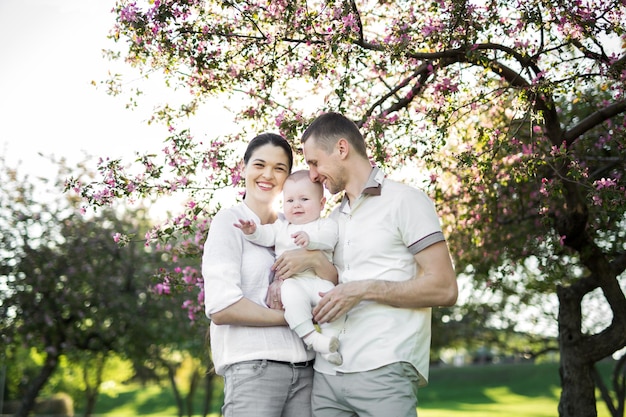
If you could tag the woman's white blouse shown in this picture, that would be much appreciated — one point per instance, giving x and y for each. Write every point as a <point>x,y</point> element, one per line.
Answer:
<point>234,268</point>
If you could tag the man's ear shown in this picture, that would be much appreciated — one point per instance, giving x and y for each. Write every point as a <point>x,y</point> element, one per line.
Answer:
<point>343,147</point>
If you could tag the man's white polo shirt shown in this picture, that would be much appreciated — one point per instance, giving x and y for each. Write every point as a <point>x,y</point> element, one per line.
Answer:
<point>378,236</point>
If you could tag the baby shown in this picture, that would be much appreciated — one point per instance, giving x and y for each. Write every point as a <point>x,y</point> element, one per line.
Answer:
<point>302,227</point>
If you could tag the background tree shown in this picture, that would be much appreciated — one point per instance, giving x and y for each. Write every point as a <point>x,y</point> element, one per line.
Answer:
<point>68,289</point>
<point>512,113</point>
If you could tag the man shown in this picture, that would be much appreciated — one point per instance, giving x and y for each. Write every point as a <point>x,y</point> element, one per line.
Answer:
<point>394,265</point>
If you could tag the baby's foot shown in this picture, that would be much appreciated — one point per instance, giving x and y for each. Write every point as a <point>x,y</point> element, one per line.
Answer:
<point>321,343</point>
<point>334,358</point>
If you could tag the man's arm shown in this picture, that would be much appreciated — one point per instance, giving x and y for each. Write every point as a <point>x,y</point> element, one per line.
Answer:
<point>435,286</point>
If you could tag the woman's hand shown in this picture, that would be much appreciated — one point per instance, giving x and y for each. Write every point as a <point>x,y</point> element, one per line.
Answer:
<point>294,261</point>
<point>273,299</point>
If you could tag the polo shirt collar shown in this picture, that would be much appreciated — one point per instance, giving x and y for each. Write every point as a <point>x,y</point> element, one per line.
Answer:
<point>374,183</point>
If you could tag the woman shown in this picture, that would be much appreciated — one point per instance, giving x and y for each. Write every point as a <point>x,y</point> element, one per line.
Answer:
<point>266,367</point>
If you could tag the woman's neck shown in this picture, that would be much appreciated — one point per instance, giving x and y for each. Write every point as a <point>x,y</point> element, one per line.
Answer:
<point>265,212</point>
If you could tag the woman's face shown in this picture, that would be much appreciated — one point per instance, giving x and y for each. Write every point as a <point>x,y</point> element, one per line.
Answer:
<point>266,173</point>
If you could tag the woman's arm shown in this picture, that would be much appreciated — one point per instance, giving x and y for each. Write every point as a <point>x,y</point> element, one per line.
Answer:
<point>225,301</point>
<point>294,261</point>
<point>247,313</point>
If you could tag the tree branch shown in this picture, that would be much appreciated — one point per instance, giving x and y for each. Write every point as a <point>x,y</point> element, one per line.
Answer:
<point>618,265</point>
<point>422,72</point>
<point>594,120</point>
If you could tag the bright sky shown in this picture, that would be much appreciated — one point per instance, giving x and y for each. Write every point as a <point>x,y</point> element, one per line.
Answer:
<point>50,51</point>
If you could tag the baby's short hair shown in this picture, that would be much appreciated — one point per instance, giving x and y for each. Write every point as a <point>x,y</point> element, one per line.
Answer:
<point>298,175</point>
<point>303,174</point>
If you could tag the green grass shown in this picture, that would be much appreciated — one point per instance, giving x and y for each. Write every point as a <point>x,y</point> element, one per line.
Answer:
<point>505,390</point>
<point>135,400</point>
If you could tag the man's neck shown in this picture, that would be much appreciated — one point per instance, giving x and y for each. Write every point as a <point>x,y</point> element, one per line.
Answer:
<point>359,175</point>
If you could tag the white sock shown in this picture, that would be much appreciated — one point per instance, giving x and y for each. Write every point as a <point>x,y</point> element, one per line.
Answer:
<point>321,343</point>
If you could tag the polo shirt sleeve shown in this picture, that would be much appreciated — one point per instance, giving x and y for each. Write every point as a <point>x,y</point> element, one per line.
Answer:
<point>418,222</point>
<point>221,264</point>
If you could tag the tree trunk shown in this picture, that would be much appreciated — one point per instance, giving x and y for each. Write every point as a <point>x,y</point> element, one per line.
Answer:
<point>90,404</point>
<point>92,391</point>
<point>576,369</point>
<point>28,402</point>
<point>193,385</point>
<point>208,398</point>
<point>171,373</point>
<point>578,394</point>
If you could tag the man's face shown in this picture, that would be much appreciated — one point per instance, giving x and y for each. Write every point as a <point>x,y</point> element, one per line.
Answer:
<point>324,167</point>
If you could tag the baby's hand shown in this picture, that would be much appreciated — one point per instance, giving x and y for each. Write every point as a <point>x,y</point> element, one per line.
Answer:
<point>301,239</point>
<point>247,226</point>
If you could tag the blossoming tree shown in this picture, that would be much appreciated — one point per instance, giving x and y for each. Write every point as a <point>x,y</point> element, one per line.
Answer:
<point>511,111</point>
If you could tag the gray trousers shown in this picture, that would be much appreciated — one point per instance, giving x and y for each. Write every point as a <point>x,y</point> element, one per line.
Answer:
<point>383,392</point>
<point>268,389</point>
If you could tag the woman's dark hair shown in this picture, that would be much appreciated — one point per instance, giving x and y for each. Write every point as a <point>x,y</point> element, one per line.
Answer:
<point>268,139</point>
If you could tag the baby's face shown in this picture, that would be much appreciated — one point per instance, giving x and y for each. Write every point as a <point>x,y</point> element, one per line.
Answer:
<point>303,201</point>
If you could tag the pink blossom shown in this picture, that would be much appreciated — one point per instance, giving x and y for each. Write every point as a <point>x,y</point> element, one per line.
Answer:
<point>279,119</point>
<point>605,183</point>
<point>129,13</point>
<point>544,184</point>
<point>235,177</point>
<point>527,149</point>
<point>597,201</point>
<point>447,85</point>
<point>162,288</point>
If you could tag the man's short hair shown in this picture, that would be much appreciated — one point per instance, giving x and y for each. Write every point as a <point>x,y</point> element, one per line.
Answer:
<point>329,127</point>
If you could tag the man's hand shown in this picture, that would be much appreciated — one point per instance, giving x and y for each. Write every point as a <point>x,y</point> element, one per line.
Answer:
<point>301,239</point>
<point>338,301</point>
<point>273,299</point>
<point>247,226</point>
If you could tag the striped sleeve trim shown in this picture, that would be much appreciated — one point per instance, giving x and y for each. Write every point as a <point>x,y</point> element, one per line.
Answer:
<point>425,242</point>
